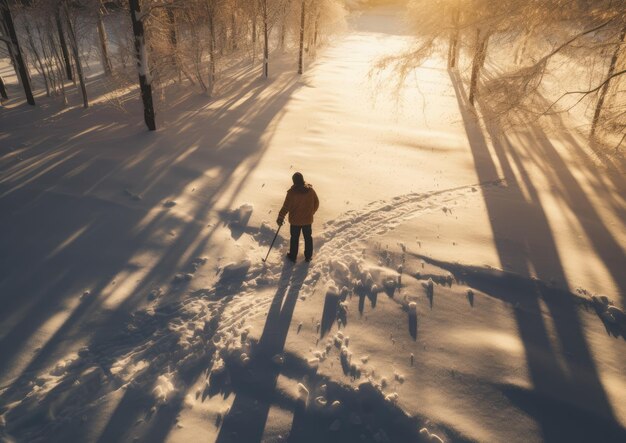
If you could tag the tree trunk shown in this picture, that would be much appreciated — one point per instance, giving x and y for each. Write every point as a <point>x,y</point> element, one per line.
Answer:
<point>171,19</point>
<point>605,86</point>
<point>142,65</point>
<point>3,89</point>
<point>233,31</point>
<point>283,28</point>
<point>254,32</point>
<point>104,52</point>
<point>48,58</point>
<point>10,50</point>
<point>17,53</point>
<point>477,64</point>
<point>76,54</point>
<point>301,55</point>
<point>38,60</point>
<point>63,44</point>
<point>283,35</point>
<point>266,49</point>
<point>454,38</point>
<point>316,28</point>
<point>58,64</point>
<point>211,52</point>
<point>173,40</point>
<point>222,36</point>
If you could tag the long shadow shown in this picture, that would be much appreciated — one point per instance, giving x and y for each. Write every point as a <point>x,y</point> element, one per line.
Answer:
<point>38,257</point>
<point>85,242</point>
<point>602,240</point>
<point>528,248</point>
<point>95,233</point>
<point>245,422</point>
<point>514,290</point>
<point>137,403</point>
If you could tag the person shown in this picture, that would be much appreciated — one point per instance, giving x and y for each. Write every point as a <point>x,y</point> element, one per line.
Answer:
<point>300,203</point>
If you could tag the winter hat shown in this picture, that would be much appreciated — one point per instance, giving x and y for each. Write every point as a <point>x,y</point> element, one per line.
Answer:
<point>298,179</point>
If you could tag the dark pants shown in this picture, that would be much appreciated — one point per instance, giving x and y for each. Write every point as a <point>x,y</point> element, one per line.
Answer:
<point>295,239</point>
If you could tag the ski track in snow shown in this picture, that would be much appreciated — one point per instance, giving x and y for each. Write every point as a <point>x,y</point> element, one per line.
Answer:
<point>162,341</point>
<point>339,239</point>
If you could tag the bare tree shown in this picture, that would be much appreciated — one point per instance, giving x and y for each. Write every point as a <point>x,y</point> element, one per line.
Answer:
<point>172,41</point>
<point>545,33</point>
<point>3,89</point>
<point>211,10</point>
<point>254,14</point>
<point>38,58</point>
<point>301,48</point>
<point>453,48</point>
<point>76,53</point>
<point>266,44</point>
<point>592,35</point>
<point>62,42</point>
<point>14,46</point>
<point>270,11</point>
<point>143,68</point>
<point>482,40</point>
<point>104,51</point>
<point>610,75</point>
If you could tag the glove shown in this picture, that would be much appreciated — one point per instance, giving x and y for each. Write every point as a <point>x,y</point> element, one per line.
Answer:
<point>280,221</point>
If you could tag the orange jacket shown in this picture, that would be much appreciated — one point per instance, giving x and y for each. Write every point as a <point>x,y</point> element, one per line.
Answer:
<point>301,203</point>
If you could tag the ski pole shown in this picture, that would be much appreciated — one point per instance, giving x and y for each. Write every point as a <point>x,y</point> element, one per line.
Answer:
<point>276,235</point>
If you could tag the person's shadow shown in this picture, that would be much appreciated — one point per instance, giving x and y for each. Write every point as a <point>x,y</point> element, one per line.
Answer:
<point>256,382</point>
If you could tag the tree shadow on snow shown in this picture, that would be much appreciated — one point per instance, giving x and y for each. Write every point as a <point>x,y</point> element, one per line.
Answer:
<point>65,242</point>
<point>529,247</point>
<point>329,412</point>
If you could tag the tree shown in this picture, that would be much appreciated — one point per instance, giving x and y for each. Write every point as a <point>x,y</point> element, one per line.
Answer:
<point>482,40</point>
<point>266,31</point>
<point>301,50</point>
<point>172,41</point>
<point>104,51</point>
<point>3,89</point>
<point>62,42</point>
<point>143,68</point>
<point>472,23</point>
<point>270,11</point>
<point>591,36</point>
<point>453,48</point>
<point>211,10</point>
<point>76,53</point>
<point>14,47</point>
<point>38,58</point>
<point>604,87</point>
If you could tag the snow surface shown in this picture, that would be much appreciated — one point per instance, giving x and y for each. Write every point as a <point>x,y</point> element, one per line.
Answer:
<point>455,292</point>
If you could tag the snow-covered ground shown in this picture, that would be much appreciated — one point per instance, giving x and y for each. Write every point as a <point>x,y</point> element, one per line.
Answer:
<point>450,296</point>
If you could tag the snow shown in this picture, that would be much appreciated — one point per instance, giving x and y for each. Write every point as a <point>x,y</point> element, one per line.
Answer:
<point>441,294</point>
<point>164,389</point>
<point>233,269</point>
<point>303,392</point>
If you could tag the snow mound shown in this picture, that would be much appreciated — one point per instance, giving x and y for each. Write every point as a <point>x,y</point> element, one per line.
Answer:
<point>241,215</point>
<point>234,273</point>
<point>164,389</point>
<point>303,392</point>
